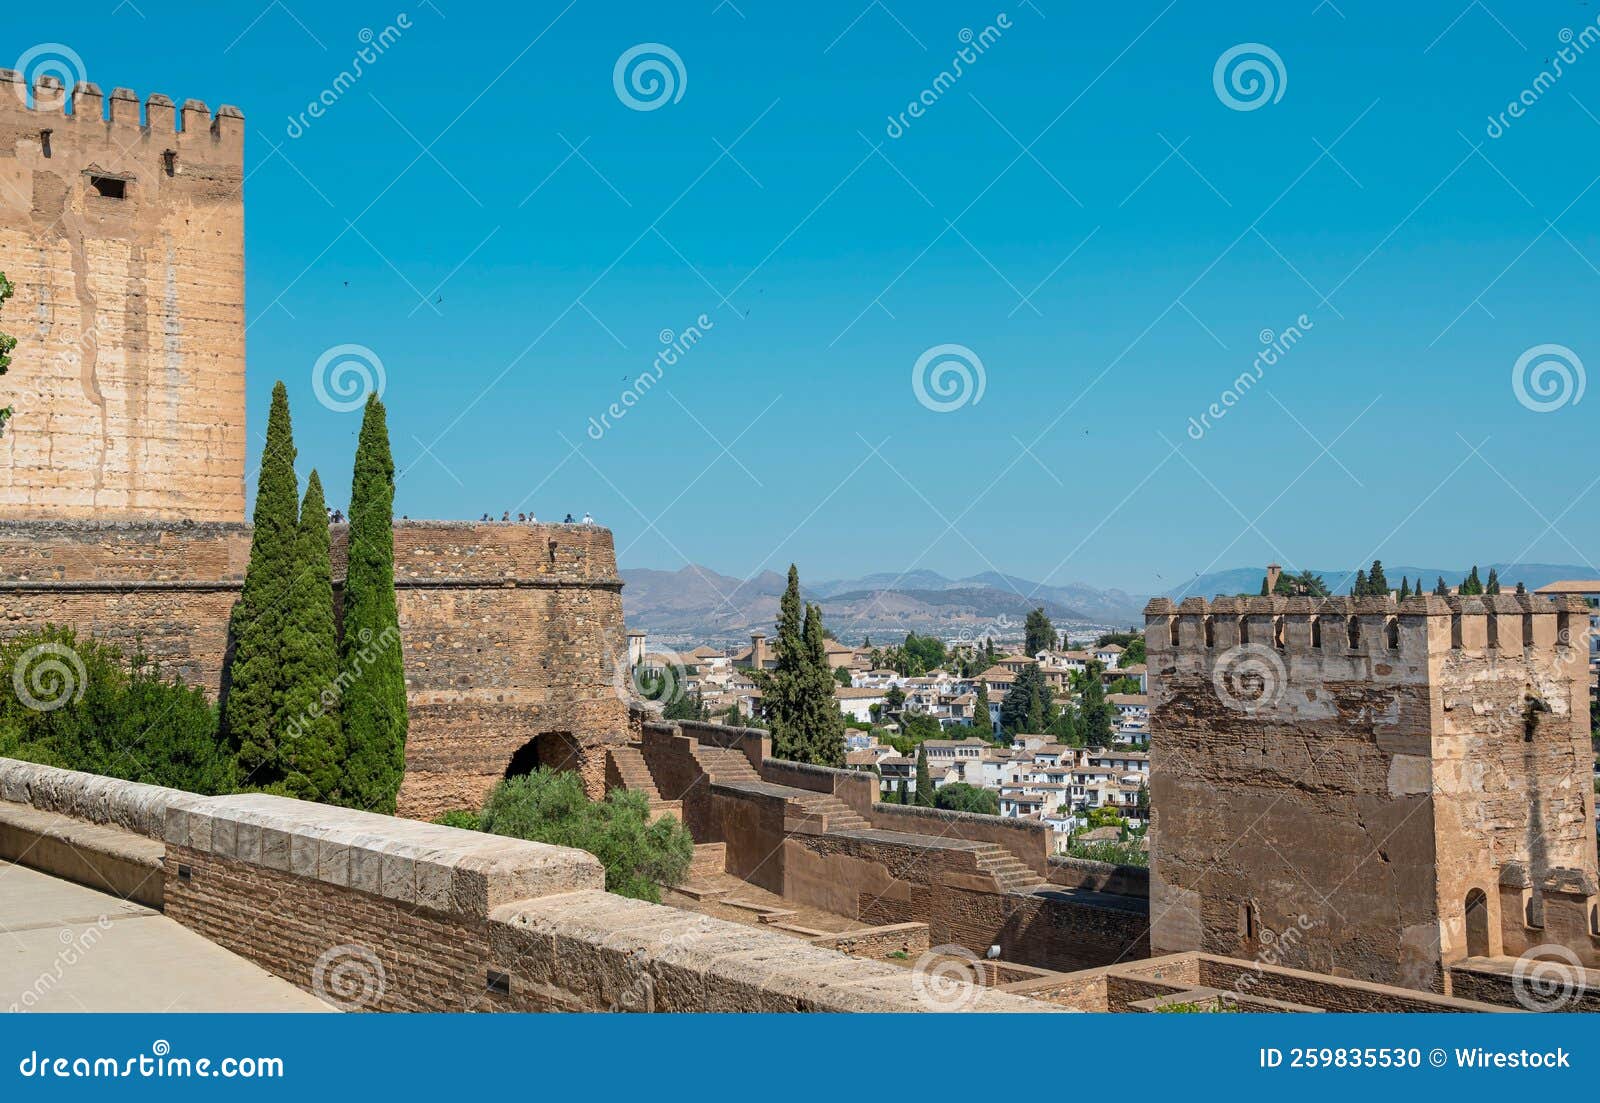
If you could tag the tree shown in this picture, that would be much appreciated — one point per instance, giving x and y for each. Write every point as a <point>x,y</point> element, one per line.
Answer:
<point>1038,634</point>
<point>7,343</point>
<point>1405,588</point>
<point>1471,586</point>
<point>841,676</point>
<point>686,706</point>
<point>922,654</point>
<point>1310,585</point>
<point>894,699</point>
<point>1095,711</point>
<point>549,806</point>
<point>1134,653</point>
<point>903,797</point>
<point>1377,584</point>
<point>925,798</point>
<point>797,693</point>
<point>1027,705</point>
<point>958,796</point>
<point>253,695</point>
<point>1441,589</point>
<point>1360,588</point>
<point>81,704</point>
<point>374,703</point>
<point>981,718</point>
<point>1493,585</point>
<point>311,740</point>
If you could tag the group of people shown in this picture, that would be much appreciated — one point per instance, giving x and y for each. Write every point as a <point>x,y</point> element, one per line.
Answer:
<point>530,519</point>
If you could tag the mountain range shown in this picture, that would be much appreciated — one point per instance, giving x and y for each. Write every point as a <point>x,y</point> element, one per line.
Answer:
<point>696,604</point>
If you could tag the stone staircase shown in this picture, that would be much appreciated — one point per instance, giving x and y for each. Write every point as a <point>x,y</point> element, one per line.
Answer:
<point>836,814</point>
<point>1009,871</point>
<point>721,764</point>
<point>631,770</point>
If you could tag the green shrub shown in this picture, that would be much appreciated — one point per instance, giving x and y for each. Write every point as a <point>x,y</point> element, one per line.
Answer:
<point>549,806</point>
<point>82,705</point>
<point>1122,853</point>
<point>958,796</point>
<point>462,818</point>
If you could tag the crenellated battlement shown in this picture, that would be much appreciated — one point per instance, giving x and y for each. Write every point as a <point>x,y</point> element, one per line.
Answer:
<point>1412,628</point>
<point>91,107</point>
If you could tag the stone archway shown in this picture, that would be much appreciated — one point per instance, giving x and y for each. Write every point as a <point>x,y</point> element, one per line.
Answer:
<point>1477,907</point>
<point>547,750</point>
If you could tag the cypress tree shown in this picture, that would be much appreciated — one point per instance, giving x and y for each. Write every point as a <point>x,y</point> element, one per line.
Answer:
<point>1405,587</point>
<point>1263,592</point>
<point>903,796</point>
<point>925,797</point>
<point>308,718</point>
<point>1441,589</point>
<point>807,725</point>
<point>254,693</point>
<point>1471,585</point>
<point>1493,585</point>
<point>1377,585</point>
<point>1360,588</point>
<point>370,663</point>
<point>980,711</point>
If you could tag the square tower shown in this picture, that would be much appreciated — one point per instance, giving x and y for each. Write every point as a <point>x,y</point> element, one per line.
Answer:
<point>1368,788</point>
<point>124,238</point>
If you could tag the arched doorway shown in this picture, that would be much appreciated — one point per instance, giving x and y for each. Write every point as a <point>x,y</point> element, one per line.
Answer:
<point>1477,923</point>
<point>549,750</point>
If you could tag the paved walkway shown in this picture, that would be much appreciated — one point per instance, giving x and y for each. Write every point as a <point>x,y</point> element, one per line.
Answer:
<point>64,947</point>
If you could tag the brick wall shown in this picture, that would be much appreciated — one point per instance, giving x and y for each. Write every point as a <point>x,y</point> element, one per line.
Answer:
<point>510,632</point>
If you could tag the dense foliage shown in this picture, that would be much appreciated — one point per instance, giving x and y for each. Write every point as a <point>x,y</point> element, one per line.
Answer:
<point>549,806</point>
<point>374,700</point>
<point>81,705</point>
<point>311,741</point>
<point>254,695</point>
<point>958,796</point>
<point>797,694</point>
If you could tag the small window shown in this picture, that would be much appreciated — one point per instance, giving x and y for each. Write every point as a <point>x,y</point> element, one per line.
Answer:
<point>109,187</point>
<point>44,142</point>
<point>169,161</point>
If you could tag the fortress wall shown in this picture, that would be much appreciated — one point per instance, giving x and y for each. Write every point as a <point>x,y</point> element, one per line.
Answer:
<point>376,913</point>
<point>128,379</point>
<point>1345,770</point>
<point>510,633</point>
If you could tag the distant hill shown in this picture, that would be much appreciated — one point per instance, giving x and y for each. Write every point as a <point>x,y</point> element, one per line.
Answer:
<point>698,604</point>
<point>1247,580</point>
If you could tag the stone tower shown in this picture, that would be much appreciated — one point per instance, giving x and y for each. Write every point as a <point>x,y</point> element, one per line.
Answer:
<point>1368,788</point>
<point>125,240</point>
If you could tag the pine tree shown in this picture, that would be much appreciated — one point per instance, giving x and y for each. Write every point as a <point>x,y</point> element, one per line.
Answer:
<point>1521,588</point>
<point>1377,585</point>
<point>980,711</point>
<point>1471,586</point>
<point>1038,633</point>
<point>1360,588</point>
<point>1493,585</point>
<point>925,796</point>
<point>798,691</point>
<point>254,690</point>
<point>1441,589</point>
<point>374,702</point>
<point>1028,705</point>
<point>312,742</point>
<point>1405,587</point>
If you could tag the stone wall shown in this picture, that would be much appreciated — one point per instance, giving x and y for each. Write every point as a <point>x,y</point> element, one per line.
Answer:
<point>511,633</point>
<point>1030,840</point>
<point>1352,768</point>
<point>126,246</point>
<point>857,789</point>
<point>371,912</point>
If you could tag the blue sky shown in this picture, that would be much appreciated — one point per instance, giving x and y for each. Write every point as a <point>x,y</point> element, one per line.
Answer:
<point>1081,209</point>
